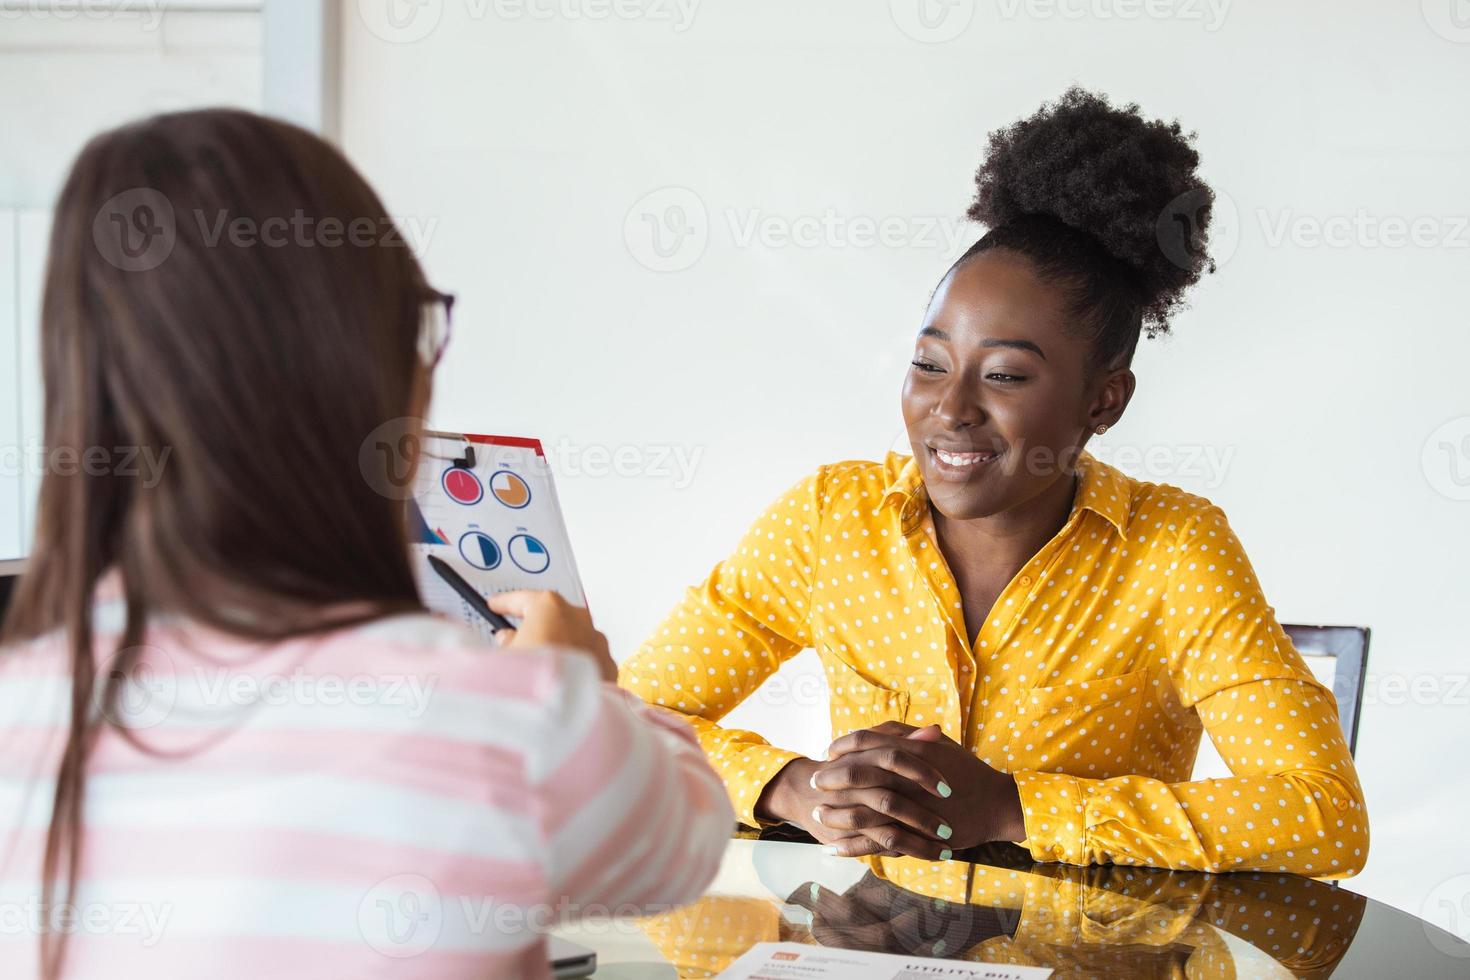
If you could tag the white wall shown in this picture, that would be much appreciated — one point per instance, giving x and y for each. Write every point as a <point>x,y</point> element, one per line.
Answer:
<point>1318,374</point>
<point>68,71</point>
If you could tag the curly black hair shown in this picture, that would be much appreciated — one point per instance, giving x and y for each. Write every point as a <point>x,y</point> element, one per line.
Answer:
<point>1105,203</point>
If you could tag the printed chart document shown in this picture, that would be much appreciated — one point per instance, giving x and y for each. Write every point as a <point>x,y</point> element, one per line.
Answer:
<point>487,506</point>
<point>795,961</point>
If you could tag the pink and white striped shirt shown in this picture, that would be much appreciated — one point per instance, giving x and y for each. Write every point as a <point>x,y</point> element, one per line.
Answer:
<point>390,800</point>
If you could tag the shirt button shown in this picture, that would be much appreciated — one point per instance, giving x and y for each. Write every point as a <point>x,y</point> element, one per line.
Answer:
<point>1025,579</point>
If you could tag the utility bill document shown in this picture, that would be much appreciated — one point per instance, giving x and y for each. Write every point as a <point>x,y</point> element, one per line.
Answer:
<point>794,961</point>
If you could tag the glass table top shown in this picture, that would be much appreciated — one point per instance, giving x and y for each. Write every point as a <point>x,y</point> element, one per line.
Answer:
<point>1001,907</point>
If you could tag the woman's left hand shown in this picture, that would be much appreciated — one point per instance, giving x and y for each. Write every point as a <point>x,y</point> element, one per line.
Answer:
<point>983,806</point>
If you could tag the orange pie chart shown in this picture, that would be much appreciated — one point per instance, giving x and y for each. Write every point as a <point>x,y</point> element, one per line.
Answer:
<point>510,489</point>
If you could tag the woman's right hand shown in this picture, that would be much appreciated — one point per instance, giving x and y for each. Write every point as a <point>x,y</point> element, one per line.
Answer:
<point>549,620</point>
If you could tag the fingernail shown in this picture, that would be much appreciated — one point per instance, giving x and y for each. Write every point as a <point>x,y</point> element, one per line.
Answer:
<point>814,780</point>
<point>829,849</point>
<point>946,854</point>
<point>817,816</point>
<point>816,889</point>
<point>943,788</point>
<point>944,832</point>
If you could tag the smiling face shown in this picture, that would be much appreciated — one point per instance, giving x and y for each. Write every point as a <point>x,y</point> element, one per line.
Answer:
<point>1000,398</point>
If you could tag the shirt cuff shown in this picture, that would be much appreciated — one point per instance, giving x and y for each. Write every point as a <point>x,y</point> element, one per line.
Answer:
<point>1054,806</point>
<point>746,777</point>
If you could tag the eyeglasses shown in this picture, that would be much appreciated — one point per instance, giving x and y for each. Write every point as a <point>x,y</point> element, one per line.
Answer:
<point>435,328</point>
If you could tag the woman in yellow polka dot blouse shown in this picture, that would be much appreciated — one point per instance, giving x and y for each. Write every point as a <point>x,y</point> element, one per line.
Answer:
<point>1022,643</point>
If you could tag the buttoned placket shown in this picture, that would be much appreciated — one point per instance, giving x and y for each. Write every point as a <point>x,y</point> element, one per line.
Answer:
<point>971,681</point>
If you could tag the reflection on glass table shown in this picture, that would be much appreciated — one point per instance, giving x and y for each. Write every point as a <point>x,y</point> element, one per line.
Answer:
<point>1001,907</point>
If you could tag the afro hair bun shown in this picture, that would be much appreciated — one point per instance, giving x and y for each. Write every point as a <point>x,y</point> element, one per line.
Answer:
<point>1129,183</point>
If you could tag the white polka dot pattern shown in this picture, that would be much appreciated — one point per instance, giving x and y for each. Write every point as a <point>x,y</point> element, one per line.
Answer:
<point>1138,627</point>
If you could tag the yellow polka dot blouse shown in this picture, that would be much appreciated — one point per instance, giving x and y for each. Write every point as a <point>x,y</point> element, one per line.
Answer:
<point>1138,625</point>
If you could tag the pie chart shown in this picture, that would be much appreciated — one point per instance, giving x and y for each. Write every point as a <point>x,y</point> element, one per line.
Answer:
<point>529,554</point>
<point>480,550</point>
<point>462,486</point>
<point>510,489</point>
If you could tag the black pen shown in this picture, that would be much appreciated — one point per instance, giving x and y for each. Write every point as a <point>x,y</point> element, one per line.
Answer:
<point>468,594</point>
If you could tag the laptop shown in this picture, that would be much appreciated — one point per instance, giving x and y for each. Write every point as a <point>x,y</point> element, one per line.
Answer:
<point>568,960</point>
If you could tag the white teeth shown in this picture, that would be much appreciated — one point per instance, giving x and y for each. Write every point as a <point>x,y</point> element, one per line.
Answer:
<point>962,459</point>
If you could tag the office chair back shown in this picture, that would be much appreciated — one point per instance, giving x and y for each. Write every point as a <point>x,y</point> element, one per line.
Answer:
<point>1347,649</point>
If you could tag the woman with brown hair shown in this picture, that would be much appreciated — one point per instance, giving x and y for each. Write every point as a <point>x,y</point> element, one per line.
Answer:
<point>236,744</point>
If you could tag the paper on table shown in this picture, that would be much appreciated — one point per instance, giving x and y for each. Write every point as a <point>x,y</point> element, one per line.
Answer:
<point>795,961</point>
<point>498,523</point>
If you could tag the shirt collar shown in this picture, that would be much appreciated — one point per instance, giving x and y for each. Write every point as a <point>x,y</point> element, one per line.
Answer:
<point>1102,489</point>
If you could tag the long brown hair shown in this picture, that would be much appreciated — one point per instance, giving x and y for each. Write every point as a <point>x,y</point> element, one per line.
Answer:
<point>225,292</point>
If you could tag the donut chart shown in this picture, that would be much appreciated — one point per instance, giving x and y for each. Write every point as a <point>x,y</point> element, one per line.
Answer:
<point>510,489</point>
<point>480,550</point>
<point>462,486</point>
<point>529,554</point>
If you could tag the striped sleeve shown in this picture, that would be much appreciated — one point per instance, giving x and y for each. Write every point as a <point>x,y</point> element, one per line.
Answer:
<point>634,820</point>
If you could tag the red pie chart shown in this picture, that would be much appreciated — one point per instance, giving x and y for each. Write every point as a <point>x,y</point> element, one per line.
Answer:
<point>462,486</point>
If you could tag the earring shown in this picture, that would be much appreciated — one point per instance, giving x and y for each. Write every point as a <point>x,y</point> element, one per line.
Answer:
<point>1101,429</point>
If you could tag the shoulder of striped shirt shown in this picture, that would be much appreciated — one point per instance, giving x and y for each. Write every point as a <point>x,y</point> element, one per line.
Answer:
<point>409,633</point>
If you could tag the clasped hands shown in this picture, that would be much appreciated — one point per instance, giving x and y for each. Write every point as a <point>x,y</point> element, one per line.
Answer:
<point>896,790</point>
